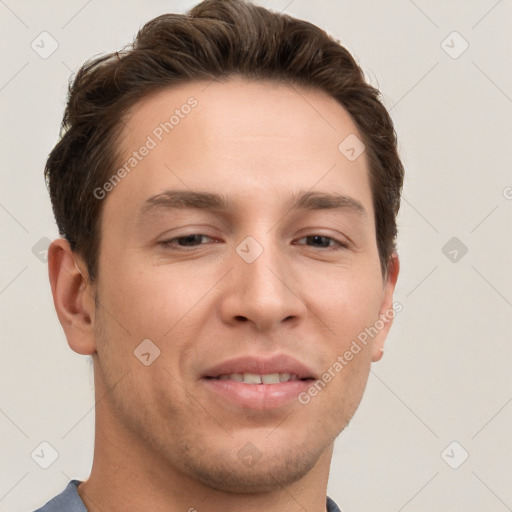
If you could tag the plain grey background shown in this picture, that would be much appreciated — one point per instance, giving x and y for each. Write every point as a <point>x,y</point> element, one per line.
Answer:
<point>443,390</point>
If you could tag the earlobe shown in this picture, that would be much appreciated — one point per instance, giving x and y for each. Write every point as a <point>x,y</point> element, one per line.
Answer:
<point>387,311</point>
<point>72,296</point>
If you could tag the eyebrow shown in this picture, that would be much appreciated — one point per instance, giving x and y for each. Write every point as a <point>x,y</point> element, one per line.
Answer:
<point>186,199</point>
<point>326,201</point>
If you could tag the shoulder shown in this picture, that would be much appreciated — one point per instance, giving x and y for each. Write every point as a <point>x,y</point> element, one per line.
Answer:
<point>331,506</point>
<point>67,501</point>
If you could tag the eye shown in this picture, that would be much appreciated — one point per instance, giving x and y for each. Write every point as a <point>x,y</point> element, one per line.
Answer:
<point>193,240</point>
<point>322,242</point>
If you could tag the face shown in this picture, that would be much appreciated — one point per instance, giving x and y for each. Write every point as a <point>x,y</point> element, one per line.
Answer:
<point>242,244</point>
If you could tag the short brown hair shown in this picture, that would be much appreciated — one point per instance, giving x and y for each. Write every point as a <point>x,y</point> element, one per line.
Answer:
<point>217,39</point>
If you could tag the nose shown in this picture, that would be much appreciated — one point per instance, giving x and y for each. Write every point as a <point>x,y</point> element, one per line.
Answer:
<point>263,293</point>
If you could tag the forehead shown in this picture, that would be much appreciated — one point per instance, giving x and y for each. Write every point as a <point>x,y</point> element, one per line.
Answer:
<point>242,137</point>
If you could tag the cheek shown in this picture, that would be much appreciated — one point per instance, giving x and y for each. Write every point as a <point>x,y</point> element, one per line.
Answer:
<point>149,303</point>
<point>347,301</point>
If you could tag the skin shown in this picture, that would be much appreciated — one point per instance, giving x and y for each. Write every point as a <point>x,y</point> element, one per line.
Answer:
<point>163,441</point>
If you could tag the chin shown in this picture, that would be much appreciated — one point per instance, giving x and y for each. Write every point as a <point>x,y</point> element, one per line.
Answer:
<point>267,474</point>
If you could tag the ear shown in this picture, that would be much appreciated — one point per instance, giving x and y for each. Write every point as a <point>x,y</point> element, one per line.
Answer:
<point>73,296</point>
<point>386,312</point>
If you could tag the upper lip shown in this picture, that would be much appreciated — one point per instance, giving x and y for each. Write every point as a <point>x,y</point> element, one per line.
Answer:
<point>261,365</point>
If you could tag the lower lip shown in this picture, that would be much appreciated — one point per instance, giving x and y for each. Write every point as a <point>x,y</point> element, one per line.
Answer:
<point>258,396</point>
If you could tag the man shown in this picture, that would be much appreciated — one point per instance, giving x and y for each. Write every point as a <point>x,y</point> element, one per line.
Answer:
<point>227,191</point>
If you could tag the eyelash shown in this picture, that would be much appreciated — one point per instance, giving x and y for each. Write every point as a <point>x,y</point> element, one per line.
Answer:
<point>168,244</point>
<point>338,244</point>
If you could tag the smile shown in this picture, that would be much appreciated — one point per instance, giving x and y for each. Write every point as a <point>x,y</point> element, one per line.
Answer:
<point>254,378</point>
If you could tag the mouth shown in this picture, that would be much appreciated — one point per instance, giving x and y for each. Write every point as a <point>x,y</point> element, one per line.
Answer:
<point>260,383</point>
<point>259,369</point>
<point>255,378</point>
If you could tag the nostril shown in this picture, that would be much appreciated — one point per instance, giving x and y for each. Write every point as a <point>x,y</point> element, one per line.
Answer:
<point>241,318</point>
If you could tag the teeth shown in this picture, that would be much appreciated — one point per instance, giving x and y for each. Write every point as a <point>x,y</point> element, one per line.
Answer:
<point>271,378</point>
<point>254,378</point>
